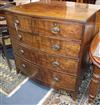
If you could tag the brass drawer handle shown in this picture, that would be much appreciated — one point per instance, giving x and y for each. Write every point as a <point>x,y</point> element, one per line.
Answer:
<point>55,63</point>
<point>56,79</point>
<point>55,29</point>
<point>20,37</point>
<point>16,24</point>
<point>22,51</point>
<point>23,65</point>
<point>56,47</point>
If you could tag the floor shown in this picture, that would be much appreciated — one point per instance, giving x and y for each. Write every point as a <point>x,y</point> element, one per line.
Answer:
<point>29,94</point>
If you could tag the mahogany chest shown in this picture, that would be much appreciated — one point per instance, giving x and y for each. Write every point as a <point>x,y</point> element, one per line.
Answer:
<point>51,40</point>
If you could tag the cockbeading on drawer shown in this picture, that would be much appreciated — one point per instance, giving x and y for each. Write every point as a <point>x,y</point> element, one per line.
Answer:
<point>60,29</point>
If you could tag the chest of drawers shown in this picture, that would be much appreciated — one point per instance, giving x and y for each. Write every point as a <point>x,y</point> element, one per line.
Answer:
<point>50,46</point>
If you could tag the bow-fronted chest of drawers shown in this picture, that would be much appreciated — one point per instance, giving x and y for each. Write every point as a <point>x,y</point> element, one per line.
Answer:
<point>50,41</point>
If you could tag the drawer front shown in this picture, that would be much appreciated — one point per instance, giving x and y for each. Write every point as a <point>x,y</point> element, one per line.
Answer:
<point>19,22</point>
<point>60,47</point>
<point>69,30</point>
<point>35,56</point>
<point>22,37</point>
<point>26,67</point>
<point>21,51</point>
<point>59,64</point>
<point>56,80</point>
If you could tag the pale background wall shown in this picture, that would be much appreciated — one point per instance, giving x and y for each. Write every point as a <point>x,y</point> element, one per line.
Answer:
<point>18,2</point>
<point>27,1</point>
<point>98,2</point>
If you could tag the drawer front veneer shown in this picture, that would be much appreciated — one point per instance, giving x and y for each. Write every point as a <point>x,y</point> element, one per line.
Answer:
<point>58,63</point>
<point>60,29</point>
<point>60,47</point>
<point>19,22</point>
<point>52,44</point>
<point>22,37</point>
<point>22,52</point>
<point>26,67</point>
<point>56,80</point>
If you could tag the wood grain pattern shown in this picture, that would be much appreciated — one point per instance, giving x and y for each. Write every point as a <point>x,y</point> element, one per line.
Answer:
<point>22,23</point>
<point>25,67</point>
<point>21,37</point>
<point>65,29</point>
<point>69,10</point>
<point>22,51</point>
<point>98,19</point>
<point>55,43</point>
<point>59,64</point>
<point>50,78</point>
<point>95,81</point>
<point>60,47</point>
<point>94,84</point>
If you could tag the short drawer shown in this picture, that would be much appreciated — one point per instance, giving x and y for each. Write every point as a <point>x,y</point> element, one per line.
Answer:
<point>19,22</point>
<point>60,47</point>
<point>22,37</point>
<point>56,28</point>
<point>60,64</point>
<point>21,51</point>
<point>56,80</point>
<point>26,67</point>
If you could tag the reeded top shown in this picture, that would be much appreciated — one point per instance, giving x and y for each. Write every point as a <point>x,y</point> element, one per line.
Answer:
<point>60,10</point>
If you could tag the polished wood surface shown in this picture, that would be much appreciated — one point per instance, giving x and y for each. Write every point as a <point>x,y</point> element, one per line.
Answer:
<point>50,43</point>
<point>46,27</point>
<point>59,47</point>
<point>26,67</point>
<point>94,45</point>
<point>58,63</point>
<point>56,80</point>
<point>95,81</point>
<point>70,10</point>
<point>98,19</point>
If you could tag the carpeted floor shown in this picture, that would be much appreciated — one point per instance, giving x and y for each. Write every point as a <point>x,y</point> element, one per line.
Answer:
<point>29,93</point>
<point>10,81</point>
<point>59,97</point>
<point>56,97</point>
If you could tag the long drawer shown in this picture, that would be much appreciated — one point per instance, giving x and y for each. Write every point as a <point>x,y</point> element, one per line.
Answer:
<point>58,63</point>
<point>26,67</point>
<point>60,47</point>
<point>56,80</point>
<point>61,29</point>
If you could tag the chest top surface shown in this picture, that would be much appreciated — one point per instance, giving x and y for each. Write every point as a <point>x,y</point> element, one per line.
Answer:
<point>58,10</point>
